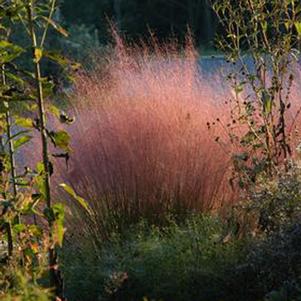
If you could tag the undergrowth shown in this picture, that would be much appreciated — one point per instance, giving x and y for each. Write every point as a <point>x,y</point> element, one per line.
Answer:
<point>203,257</point>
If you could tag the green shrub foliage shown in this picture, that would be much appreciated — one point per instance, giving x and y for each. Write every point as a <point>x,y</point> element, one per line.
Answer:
<point>31,224</point>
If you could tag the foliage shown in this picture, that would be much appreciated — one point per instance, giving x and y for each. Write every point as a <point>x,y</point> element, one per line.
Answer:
<point>82,42</point>
<point>253,254</point>
<point>17,285</point>
<point>262,39</point>
<point>31,225</point>
<point>185,261</point>
<point>277,203</point>
<point>271,270</point>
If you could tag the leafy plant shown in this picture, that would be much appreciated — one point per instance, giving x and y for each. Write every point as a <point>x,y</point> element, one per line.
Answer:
<point>16,285</point>
<point>31,223</point>
<point>262,41</point>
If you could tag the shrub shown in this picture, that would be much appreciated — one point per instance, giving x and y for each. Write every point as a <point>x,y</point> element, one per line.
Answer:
<point>273,205</point>
<point>279,202</point>
<point>16,285</point>
<point>271,269</point>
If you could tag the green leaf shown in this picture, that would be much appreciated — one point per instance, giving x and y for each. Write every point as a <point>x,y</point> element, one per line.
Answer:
<point>3,107</point>
<point>40,167</point>
<point>40,180</point>
<point>38,54</point>
<point>58,226</point>
<point>248,139</point>
<point>57,58</point>
<point>298,27</point>
<point>79,199</point>
<point>21,141</point>
<point>264,26</point>
<point>54,110</point>
<point>17,135</point>
<point>48,87</point>
<point>267,102</point>
<point>18,228</point>
<point>62,61</point>
<point>29,204</point>
<point>61,139</point>
<point>24,122</point>
<point>9,51</point>
<point>239,88</point>
<point>56,26</point>
<point>36,230</point>
<point>15,78</point>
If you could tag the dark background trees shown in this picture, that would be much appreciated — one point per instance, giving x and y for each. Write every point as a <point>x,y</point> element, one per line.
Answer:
<point>136,18</point>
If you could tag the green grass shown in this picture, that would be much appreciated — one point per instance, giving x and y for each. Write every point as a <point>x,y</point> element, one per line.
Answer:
<point>178,262</point>
<point>199,259</point>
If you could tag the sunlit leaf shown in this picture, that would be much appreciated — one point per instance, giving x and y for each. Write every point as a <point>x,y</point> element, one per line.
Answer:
<point>61,139</point>
<point>17,135</point>
<point>21,141</point>
<point>74,195</point>
<point>38,54</point>
<point>298,27</point>
<point>40,167</point>
<point>9,51</point>
<point>56,26</point>
<point>24,122</point>
<point>267,102</point>
<point>15,78</point>
<point>58,225</point>
<point>57,58</point>
<point>54,110</point>
<point>18,228</point>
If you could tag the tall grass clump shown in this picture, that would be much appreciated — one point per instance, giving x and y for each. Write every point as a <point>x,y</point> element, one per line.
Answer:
<point>141,144</point>
<point>156,137</point>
